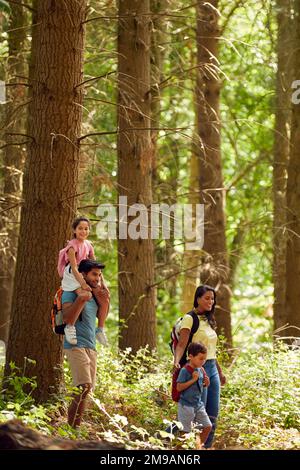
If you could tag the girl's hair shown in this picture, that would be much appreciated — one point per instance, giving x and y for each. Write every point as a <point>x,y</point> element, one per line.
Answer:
<point>77,221</point>
<point>210,315</point>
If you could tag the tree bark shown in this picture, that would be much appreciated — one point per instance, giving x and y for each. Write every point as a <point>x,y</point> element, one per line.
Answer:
<point>192,258</point>
<point>136,258</point>
<point>281,156</point>
<point>215,268</point>
<point>13,161</point>
<point>293,200</point>
<point>157,57</point>
<point>50,179</point>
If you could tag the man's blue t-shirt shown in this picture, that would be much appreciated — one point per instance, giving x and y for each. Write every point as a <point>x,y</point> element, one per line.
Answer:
<point>191,396</point>
<point>85,328</point>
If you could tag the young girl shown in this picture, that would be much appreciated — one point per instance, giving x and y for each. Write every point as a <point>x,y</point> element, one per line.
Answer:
<point>77,249</point>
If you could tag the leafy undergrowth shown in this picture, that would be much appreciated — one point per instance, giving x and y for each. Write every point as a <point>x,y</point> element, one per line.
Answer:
<point>132,405</point>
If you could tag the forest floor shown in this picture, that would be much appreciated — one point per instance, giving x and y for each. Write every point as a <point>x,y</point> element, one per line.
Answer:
<point>260,403</point>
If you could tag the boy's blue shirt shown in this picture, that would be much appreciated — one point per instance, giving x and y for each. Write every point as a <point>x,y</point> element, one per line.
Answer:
<point>85,328</point>
<point>192,395</point>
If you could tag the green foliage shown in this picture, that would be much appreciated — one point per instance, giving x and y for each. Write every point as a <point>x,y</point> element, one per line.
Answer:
<point>16,400</point>
<point>4,6</point>
<point>132,405</point>
<point>261,400</point>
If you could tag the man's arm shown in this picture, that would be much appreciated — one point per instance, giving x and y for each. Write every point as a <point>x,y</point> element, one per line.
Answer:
<point>72,310</point>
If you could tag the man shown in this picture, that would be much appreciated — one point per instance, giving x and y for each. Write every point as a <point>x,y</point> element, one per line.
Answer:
<point>82,310</point>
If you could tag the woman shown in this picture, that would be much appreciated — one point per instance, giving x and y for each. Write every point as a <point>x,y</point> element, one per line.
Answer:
<point>204,306</point>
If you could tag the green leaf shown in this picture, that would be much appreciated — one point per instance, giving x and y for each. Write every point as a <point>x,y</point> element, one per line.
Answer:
<point>4,6</point>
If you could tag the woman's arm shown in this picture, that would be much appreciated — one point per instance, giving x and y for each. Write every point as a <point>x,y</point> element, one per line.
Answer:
<point>182,344</point>
<point>78,276</point>
<point>221,375</point>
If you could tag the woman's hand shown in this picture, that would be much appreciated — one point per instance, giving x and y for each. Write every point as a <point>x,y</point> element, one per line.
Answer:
<point>206,381</point>
<point>222,378</point>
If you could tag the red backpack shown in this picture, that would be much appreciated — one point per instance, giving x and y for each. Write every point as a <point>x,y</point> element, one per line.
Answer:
<point>175,393</point>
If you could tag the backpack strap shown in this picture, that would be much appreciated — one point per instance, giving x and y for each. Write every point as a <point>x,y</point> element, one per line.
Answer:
<point>196,322</point>
<point>191,370</point>
<point>194,328</point>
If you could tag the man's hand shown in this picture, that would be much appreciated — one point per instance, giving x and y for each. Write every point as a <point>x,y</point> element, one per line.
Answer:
<point>101,294</point>
<point>85,286</point>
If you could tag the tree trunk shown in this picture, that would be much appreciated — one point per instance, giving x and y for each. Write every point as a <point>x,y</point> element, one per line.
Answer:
<point>136,259</point>
<point>157,57</point>
<point>192,258</point>
<point>50,179</point>
<point>281,155</point>
<point>214,270</point>
<point>13,161</point>
<point>293,200</point>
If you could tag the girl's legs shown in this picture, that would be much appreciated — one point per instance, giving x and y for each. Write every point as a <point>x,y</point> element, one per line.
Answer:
<point>80,293</point>
<point>70,330</point>
<point>102,298</point>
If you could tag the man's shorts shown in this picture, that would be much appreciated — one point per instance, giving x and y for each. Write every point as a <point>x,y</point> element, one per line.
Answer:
<point>83,364</point>
<point>188,415</point>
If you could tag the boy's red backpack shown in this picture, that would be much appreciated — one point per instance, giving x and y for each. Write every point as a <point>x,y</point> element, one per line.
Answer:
<point>57,322</point>
<point>175,393</point>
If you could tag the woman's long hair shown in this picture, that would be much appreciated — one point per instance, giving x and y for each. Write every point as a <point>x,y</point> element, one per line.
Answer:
<point>210,315</point>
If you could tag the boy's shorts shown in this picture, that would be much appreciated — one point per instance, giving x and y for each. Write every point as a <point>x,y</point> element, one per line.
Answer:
<point>188,415</point>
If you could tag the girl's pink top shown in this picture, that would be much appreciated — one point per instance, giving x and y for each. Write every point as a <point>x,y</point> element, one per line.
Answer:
<point>83,250</point>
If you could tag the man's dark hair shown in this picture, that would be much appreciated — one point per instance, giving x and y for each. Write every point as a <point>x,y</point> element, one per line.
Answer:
<point>196,348</point>
<point>86,265</point>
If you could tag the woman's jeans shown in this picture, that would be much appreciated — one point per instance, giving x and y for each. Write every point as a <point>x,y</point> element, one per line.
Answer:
<point>211,397</point>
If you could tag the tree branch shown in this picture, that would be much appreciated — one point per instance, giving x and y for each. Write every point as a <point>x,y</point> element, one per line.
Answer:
<point>18,84</point>
<point>25,5</point>
<point>23,135</point>
<point>13,143</point>
<point>95,78</point>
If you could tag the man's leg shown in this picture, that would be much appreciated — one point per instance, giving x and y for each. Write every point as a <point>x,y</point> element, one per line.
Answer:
<point>77,406</point>
<point>83,370</point>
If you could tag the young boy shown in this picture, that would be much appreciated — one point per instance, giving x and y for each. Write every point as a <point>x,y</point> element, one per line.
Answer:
<point>190,385</point>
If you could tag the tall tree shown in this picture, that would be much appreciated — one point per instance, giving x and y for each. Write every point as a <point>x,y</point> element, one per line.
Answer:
<point>293,197</point>
<point>192,258</point>
<point>50,179</point>
<point>281,154</point>
<point>157,56</point>
<point>215,268</point>
<point>13,158</point>
<point>136,258</point>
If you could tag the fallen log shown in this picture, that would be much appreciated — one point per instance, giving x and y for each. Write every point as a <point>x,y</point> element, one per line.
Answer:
<point>15,435</point>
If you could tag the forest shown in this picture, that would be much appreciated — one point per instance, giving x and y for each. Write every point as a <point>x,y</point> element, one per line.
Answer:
<point>172,129</point>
